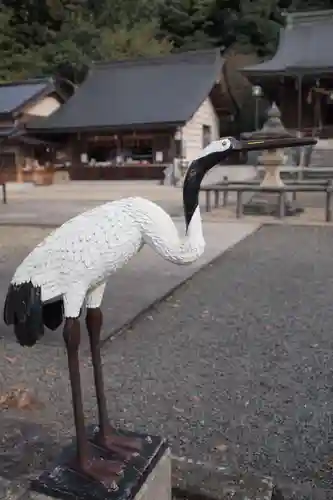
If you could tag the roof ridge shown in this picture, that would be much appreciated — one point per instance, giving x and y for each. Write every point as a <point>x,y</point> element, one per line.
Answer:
<point>173,57</point>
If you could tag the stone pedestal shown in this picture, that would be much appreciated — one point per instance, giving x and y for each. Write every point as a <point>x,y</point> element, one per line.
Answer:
<point>268,203</point>
<point>146,476</point>
<point>158,483</point>
<point>271,161</point>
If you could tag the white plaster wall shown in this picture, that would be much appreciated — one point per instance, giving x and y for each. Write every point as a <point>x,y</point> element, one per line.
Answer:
<point>44,107</point>
<point>192,131</point>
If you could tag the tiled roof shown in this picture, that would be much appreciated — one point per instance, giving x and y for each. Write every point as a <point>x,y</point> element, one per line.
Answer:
<point>15,95</point>
<point>130,93</point>
<point>305,46</point>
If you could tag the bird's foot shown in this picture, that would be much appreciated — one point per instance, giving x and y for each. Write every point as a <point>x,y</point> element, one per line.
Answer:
<point>126,447</point>
<point>106,472</point>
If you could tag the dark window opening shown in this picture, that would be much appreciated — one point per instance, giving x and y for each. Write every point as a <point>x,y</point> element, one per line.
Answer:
<point>178,148</point>
<point>7,160</point>
<point>206,135</point>
<point>328,118</point>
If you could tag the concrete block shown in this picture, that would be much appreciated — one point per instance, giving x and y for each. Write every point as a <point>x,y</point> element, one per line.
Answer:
<point>158,484</point>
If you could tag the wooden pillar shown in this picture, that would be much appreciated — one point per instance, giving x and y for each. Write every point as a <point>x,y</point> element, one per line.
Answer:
<point>282,94</point>
<point>75,151</point>
<point>172,149</point>
<point>22,154</point>
<point>119,144</point>
<point>19,165</point>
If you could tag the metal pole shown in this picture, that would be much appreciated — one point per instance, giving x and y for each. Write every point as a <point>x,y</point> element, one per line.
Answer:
<point>4,193</point>
<point>328,204</point>
<point>208,205</point>
<point>225,193</point>
<point>239,204</point>
<point>299,119</point>
<point>299,106</point>
<point>256,116</point>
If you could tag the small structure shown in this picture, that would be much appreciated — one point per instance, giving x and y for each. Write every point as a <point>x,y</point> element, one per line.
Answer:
<point>300,75</point>
<point>271,160</point>
<point>20,102</point>
<point>131,118</point>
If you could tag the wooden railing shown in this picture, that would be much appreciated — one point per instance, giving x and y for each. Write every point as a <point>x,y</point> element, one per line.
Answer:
<point>325,187</point>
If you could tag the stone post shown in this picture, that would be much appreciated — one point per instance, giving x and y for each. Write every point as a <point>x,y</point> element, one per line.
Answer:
<point>272,160</point>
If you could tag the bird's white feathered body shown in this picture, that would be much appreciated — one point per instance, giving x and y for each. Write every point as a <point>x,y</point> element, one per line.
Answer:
<point>71,266</point>
<point>75,260</point>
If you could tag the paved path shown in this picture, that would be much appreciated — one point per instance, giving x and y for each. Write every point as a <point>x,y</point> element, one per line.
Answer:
<point>53,205</point>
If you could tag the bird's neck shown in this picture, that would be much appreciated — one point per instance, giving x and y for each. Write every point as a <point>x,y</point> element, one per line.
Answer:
<point>160,232</point>
<point>194,233</point>
<point>191,186</point>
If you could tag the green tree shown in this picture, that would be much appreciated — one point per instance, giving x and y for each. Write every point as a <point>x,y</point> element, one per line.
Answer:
<point>123,42</point>
<point>63,37</point>
<point>69,50</point>
<point>16,61</point>
<point>186,23</point>
<point>251,25</point>
<point>125,13</point>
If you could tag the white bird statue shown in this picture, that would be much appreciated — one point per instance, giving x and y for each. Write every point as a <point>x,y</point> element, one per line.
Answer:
<point>69,269</point>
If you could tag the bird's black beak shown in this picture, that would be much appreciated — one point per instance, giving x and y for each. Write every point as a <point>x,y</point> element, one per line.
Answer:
<point>271,143</point>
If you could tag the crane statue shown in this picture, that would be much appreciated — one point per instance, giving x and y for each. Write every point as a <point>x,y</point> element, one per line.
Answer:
<point>69,269</point>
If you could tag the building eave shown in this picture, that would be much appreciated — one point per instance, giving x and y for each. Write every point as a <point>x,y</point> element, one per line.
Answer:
<point>109,128</point>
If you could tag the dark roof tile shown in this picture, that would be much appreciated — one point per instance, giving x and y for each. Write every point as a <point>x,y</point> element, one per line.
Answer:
<point>304,46</point>
<point>14,95</point>
<point>152,91</point>
<point>7,132</point>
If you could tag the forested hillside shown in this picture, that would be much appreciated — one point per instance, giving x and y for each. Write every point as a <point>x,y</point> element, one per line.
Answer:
<point>39,37</point>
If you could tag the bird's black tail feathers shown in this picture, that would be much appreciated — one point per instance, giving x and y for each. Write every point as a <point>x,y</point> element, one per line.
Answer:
<point>25,310</point>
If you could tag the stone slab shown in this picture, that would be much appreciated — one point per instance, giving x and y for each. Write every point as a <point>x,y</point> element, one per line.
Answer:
<point>156,486</point>
<point>63,482</point>
<point>158,483</point>
<point>268,204</point>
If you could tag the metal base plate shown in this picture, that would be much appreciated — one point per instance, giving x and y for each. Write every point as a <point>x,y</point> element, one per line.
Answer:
<point>65,483</point>
<point>268,204</point>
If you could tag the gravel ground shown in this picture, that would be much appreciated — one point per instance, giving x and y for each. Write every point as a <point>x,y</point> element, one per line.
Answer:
<point>240,359</point>
<point>235,368</point>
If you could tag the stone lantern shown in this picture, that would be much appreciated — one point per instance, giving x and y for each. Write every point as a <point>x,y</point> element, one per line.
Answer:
<point>272,160</point>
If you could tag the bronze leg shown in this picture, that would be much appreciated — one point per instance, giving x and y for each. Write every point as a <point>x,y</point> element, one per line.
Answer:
<point>106,436</point>
<point>85,462</point>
